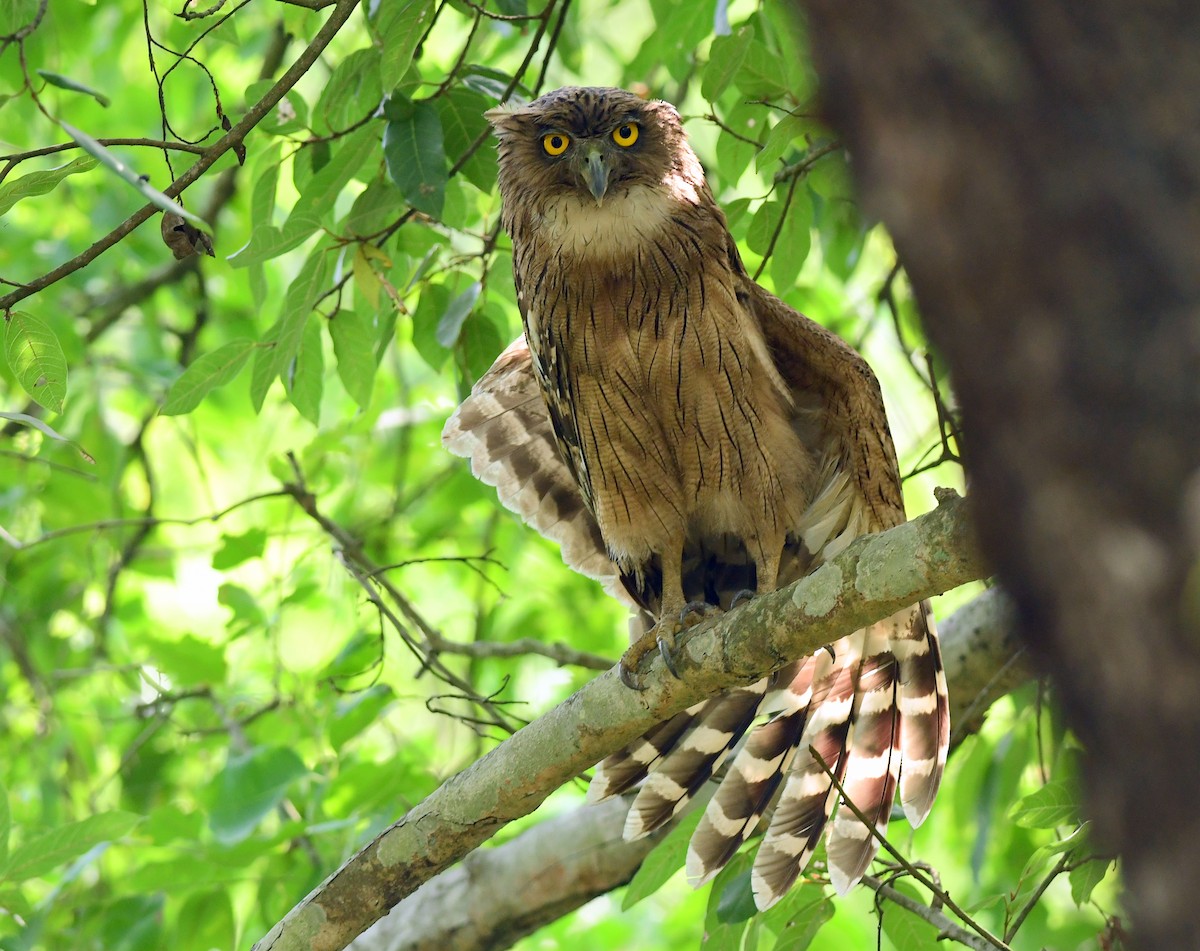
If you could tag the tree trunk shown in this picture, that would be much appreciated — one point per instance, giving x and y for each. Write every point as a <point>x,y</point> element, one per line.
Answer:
<point>1038,164</point>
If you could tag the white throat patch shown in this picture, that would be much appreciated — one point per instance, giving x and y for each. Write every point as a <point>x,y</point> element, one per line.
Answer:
<point>580,227</point>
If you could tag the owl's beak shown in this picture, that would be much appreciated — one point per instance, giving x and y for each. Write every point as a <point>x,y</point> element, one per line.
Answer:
<point>595,174</point>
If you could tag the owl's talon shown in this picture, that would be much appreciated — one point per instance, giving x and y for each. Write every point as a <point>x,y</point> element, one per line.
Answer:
<point>660,637</point>
<point>742,597</point>
<point>665,646</point>
<point>629,677</point>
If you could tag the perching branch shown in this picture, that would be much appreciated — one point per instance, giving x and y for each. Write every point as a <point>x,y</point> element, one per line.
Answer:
<point>875,577</point>
<point>497,895</point>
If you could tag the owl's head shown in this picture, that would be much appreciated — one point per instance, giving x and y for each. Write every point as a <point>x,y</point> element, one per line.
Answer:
<point>589,142</point>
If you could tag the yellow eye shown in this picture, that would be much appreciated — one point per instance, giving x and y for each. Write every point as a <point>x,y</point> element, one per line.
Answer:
<point>555,143</point>
<point>625,135</point>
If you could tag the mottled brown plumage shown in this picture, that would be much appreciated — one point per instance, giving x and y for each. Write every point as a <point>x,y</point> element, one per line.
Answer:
<point>686,436</point>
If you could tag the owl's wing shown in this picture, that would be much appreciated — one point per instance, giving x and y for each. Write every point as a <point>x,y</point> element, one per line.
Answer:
<point>504,429</point>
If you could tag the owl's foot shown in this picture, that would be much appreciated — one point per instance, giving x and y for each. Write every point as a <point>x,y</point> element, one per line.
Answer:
<point>662,637</point>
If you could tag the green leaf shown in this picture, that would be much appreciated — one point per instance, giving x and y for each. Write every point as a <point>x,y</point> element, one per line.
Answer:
<point>36,359</point>
<point>5,826</point>
<point>306,376</point>
<point>48,851</point>
<point>451,322</point>
<point>188,660</point>
<point>1052,805</point>
<point>357,712</point>
<point>481,339</point>
<point>249,787</point>
<point>1084,879</point>
<point>734,153</point>
<point>435,298</point>
<point>353,91</point>
<point>793,244</point>
<point>245,608</point>
<point>830,177</point>
<point>39,183</point>
<point>907,931</point>
<point>787,130</point>
<point>842,233</point>
<point>48,431</point>
<point>493,83</point>
<point>237,549</point>
<point>290,114</point>
<point>416,158</point>
<point>797,919</point>
<point>128,175</point>
<point>398,28</point>
<point>262,196</point>
<point>725,58</point>
<point>353,334</point>
<point>358,655</point>
<point>375,208</point>
<point>666,859</point>
<point>760,76</point>
<point>737,900</point>
<point>288,330</point>
<point>763,225</point>
<point>316,201</point>
<point>66,82</point>
<point>170,823</point>
<point>133,923</point>
<point>204,375</point>
<point>461,112</point>
<point>206,920</point>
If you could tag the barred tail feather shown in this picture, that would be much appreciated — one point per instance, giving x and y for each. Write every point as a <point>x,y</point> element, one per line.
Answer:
<point>697,754</point>
<point>872,765</point>
<point>808,794</point>
<point>626,768</point>
<point>924,714</point>
<point>755,774</point>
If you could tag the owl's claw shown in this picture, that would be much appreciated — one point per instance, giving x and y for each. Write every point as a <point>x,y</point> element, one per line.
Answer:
<point>662,637</point>
<point>742,597</point>
<point>629,677</point>
<point>664,651</point>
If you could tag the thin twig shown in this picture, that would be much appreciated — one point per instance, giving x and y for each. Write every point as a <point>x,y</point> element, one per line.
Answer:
<point>1059,868</point>
<point>152,521</point>
<point>948,928</point>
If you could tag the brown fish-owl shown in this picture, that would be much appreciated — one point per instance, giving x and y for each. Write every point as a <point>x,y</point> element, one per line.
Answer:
<point>690,439</point>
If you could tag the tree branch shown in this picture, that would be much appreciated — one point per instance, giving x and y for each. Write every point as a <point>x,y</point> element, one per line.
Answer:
<point>497,895</point>
<point>875,577</point>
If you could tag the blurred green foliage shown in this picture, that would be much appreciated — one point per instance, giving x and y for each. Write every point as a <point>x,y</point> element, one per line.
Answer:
<point>214,471</point>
